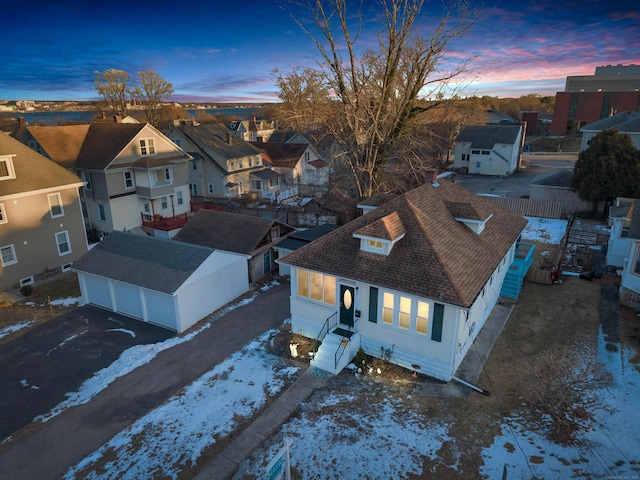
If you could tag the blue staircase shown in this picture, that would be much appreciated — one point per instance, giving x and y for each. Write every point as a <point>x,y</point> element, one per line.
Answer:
<point>512,285</point>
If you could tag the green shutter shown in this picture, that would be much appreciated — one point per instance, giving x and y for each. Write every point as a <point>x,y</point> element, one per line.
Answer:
<point>436,329</point>
<point>373,304</point>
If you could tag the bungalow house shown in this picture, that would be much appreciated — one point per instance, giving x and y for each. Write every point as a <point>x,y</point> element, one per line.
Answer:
<point>625,232</point>
<point>41,225</point>
<point>134,176</point>
<point>223,164</point>
<point>252,236</point>
<point>623,122</point>
<point>412,282</point>
<point>489,149</point>
<point>304,172</point>
<point>160,281</point>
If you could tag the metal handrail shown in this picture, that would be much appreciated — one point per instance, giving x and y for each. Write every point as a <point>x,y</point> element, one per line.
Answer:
<point>340,351</point>
<point>328,324</point>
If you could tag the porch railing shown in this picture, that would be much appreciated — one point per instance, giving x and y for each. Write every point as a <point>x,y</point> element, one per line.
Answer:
<point>344,343</point>
<point>164,223</point>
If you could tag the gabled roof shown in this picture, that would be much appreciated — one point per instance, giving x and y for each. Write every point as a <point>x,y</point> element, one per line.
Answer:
<point>232,232</point>
<point>389,227</point>
<point>486,136</point>
<point>104,141</point>
<point>285,155</point>
<point>438,258</point>
<point>299,238</point>
<point>33,171</point>
<point>624,122</point>
<point>62,144</point>
<point>150,262</point>
<point>218,142</point>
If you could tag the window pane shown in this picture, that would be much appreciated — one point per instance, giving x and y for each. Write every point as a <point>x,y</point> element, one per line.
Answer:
<point>7,254</point>
<point>404,319</point>
<point>422,318</point>
<point>421,325</point>
<point>387,308</point>
<point>4,168</point>
<point>329,290</point>
<point>303,283</point>
<point>315,290</point>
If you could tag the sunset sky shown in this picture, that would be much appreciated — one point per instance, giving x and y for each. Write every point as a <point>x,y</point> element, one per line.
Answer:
<point>225,51</point>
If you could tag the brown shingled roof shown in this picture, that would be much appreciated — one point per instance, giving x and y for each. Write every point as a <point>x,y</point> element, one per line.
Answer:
<point>63,143</point>
<point>438,258</point>
<point>33,171</point>
<point>232,232</point>
<point>282,154</point>
<point>385,228</point>
<point>104,141</point>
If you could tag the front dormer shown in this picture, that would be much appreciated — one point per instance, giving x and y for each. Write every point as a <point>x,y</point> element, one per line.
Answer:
<point>380,236</point>
<point>469,215</point>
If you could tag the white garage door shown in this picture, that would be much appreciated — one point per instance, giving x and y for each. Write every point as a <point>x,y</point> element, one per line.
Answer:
<point>160,309</point>
<point>127,299</point>
<point>97,291</point>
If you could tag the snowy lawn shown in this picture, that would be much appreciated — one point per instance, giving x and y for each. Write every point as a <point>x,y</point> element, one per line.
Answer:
<point>175,434</point>
<point>544,230</point>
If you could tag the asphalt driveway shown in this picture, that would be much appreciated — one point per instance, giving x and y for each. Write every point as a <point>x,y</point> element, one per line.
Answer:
<point>56,357</point>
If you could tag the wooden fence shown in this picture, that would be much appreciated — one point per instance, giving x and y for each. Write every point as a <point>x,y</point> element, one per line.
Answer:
<point>529,208</point>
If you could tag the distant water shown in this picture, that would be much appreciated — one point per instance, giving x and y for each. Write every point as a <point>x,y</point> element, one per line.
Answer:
<point>58,118</point>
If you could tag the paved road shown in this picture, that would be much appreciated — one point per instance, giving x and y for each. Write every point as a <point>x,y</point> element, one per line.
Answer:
<point>45,451</point>
<point>517,185</point>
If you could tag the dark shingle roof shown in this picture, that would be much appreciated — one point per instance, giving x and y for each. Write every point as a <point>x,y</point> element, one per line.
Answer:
<point>299,238</point>
<point>266,174</point>
<point>32,170</point>
<point>212,139</point>
<point>486,136</point>
<point>282,154</point>
<point>149,262</point>
<point>439,257</point>
<point>232,232</point>
<point>104,141</point>
<point>625,122</point>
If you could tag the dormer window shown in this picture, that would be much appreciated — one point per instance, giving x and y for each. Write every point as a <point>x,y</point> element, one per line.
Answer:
<point>147,147</point>
<point>6,169</point>
<point>469,215</point>
<point>381,235</point>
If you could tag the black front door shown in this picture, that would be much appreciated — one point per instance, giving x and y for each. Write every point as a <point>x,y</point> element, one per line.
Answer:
<point>347,301</point>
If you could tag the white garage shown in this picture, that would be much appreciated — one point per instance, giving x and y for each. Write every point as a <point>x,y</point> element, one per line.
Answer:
<point>160,281</point>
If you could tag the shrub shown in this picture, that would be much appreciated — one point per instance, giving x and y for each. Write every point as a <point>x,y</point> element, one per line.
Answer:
<point>26,290</point>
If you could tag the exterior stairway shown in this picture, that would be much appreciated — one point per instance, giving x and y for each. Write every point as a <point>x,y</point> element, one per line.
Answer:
<point>512,285</point>
<point>332,356</point>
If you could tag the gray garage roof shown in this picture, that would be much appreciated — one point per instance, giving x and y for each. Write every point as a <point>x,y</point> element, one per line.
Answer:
<point>148,262</point>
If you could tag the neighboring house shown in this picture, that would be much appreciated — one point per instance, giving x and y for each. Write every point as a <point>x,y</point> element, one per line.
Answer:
<point>297,239</point>
<point>411,282</point>
<point>620,222</point>
<point>556,187</point>
<point>623,122</point>
<point>134,175</point>
<point>630,275</point>
<point>252,130</point>
<point>160,281</point>
<point>489,149</point>
<point>41,225</point>
<point>233,232</point>
<point>223,165</point>
<point>369,204</point>
<point>304,172</point>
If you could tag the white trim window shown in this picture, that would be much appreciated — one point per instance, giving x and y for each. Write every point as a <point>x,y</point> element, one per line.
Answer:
<point>55,205</point>
<point>63,243</point>
<point>193,188</point>
<point>180,197</point>
<point>102,213</point>
<point>6,169</point>
<point>210,189</point>
<point>163,176</point>
<point>388,301</point>
<point>128,179</point>
<point>164,203</point>
<point>86,176</point>
<point>422,318</point>
<point>316,286</point>
<point>3,214</point>
<point>8,255</point>
<point>27,281</point>
<point>147,146</point>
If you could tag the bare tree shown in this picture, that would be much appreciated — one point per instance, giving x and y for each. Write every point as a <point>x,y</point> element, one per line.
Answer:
<point>150,91</point>
<point>112,85</point>
<point>374,93</point>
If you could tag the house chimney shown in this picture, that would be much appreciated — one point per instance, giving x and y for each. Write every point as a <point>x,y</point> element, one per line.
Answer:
<point>431,176</point>
<point>102,115</point>
<point>229,138</point>
<point>117,118</point>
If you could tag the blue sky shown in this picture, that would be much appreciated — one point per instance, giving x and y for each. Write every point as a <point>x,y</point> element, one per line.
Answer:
<point>226,51</point>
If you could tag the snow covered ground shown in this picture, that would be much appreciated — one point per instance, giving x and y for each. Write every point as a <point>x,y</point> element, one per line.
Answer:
<point>387,439</point>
